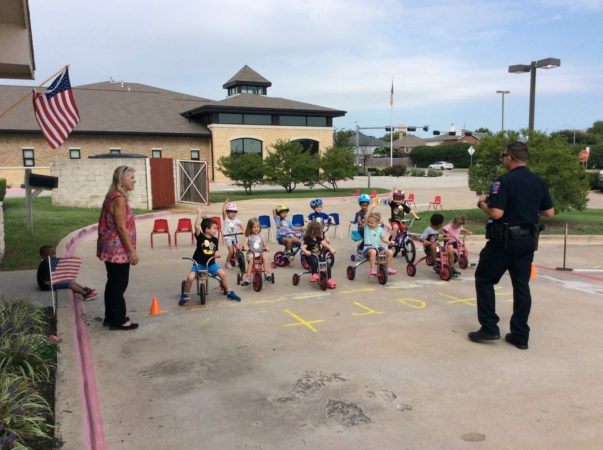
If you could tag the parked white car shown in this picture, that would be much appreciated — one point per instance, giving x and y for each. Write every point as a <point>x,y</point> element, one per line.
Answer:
<point>442,165</point>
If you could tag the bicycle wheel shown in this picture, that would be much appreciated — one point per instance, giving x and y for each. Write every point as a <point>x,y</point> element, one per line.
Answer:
<point>202,293</point>
<point>241,262</point>
<point>295,279</point>
<point>445,273</point>
<point>410,251</point>
<point>257,281</point>
<point>280,259</point>
<point>463,261</point>
<point>322,281</point>
<point>411,270</point>
<point>382,274</point>
<point>351,272</point>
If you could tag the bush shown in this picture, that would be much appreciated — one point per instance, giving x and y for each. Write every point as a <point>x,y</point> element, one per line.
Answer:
<point>246,169</point>
<point>593,179</point>
<point>337,163</point>
<point>397,170</point>
<point>456,153</point>
<point>21,317</point>
<point>2,188</point>
<point>289,165</point>
<point>28,355</point>
<point>435,172</point>
<point>416,172</point>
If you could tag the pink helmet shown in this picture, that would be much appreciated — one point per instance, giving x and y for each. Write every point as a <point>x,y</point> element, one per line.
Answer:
<point>232,207</point>
<point>399,194</point>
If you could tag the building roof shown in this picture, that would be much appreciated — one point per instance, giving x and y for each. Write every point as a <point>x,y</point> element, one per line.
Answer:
<point>247,76</point>
<point>112,108</point>
<point>262,104</point>
<point>409,140</point>
<point>365,141</point>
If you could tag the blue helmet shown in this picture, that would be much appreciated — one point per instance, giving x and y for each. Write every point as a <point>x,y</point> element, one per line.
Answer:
<point>316,202</point>
<point>364,199</point>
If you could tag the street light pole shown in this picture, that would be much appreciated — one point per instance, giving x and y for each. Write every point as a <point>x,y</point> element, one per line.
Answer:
<point>502,119</point>
<point>547,63</point>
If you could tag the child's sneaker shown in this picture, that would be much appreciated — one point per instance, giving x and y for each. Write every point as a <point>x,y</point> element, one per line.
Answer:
<point>90,294</point>
<point>391,271</point>
<point>455,273</point>
<point>331,283</point>
<point>373,272</point>
<point>234,297</point>
<point>229,266</point>
<point>184,299</point>
<point>314,278</point>
<point>245,281</point>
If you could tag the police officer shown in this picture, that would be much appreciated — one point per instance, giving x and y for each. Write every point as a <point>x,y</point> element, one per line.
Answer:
<point>515,202</point>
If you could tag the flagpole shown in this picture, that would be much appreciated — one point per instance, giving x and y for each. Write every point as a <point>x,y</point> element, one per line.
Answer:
<point>22,99</point>
<point>391,127</point>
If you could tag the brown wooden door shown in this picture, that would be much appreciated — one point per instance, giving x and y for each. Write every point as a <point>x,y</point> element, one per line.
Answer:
<point>162,182</point>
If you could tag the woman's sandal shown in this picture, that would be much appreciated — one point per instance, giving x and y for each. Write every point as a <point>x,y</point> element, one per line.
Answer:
<point>106,323</point>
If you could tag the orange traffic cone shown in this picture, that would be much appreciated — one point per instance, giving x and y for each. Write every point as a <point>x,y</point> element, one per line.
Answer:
<point>533,273</point>
<point>155,308</point>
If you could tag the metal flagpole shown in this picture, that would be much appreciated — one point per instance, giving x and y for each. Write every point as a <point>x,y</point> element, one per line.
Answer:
<point>391,126</point>
<point>14,105</point>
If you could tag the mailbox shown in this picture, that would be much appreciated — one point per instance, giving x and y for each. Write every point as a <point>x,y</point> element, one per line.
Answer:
<point>43,181</point>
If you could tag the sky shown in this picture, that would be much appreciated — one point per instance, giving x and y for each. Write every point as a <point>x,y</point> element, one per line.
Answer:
<point>446,59</point>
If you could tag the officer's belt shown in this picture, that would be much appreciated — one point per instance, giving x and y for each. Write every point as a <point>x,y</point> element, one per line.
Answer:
<point>519,231</point>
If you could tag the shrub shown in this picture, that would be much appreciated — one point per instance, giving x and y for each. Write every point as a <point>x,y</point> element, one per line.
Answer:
<point>244,170</point>
<point>20,317</point>
<point>435,172</point>
<point>28,355</point>
<point>23,413</point>
<point>2,188</point>
<point>337,163</point>
<point>416,172</point>
<point>289,165</point>
<point>397,170</point>
<point>593,179</point>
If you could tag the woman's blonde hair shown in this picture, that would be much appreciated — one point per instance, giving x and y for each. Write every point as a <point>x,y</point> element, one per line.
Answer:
<point>116,182</point>
<point>250,224</point>
<point>313,230</point>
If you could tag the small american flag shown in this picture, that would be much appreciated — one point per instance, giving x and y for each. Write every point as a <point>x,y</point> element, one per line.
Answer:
<point>391,95</point>
<point>56,111</point>
<point>64,269</point>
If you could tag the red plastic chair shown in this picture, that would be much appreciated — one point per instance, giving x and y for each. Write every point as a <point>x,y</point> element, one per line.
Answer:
<point>410,200</point>
<point>437,201</point>
<point>184,226</point>
<point>218,221</point>
<point>161,227</point>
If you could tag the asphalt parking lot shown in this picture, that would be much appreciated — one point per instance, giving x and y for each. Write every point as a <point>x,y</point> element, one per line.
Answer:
<point>362,366</point>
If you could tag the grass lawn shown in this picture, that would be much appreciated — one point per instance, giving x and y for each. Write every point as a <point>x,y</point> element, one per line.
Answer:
<point>220,196</point>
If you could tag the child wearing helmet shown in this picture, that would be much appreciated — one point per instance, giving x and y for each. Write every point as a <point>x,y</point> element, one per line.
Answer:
<point>285,231</point>
<point>232,225</point>
<point>364,201</point>
<point>399,208</point>
<point>319,215</point>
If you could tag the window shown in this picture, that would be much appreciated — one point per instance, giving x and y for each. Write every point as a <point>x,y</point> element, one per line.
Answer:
<point>28,157</point>
<point>296,121</point>
<point>309,145</point>
<point>257,119</point>
<point>74,153</point>
<point>156,153</point>
<point>195,155</point>
<point>115,151</point>
<point>230,118</point>
<point>317,121</point>
<point>246,145</point>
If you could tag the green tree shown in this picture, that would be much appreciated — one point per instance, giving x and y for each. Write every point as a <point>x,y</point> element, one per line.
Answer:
<point>385,151</point>
<point>337,163</point>
<point>483,130</point>
<point>597,130</point>
<point>577,136</point>
<point>289,165</point>
<point>342,137</point>
<point>552,158</point>
<point>245,169</point>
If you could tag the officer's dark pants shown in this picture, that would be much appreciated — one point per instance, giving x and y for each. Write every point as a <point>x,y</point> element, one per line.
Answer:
<point>494,261</point>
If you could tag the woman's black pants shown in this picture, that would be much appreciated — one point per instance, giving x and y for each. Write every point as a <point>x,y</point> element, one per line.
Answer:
<point>118,276</point>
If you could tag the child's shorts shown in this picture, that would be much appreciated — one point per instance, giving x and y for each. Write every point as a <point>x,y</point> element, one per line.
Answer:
<point>281,239</point>
<point>64,285</point>
<point>229,240</point>
<point>366,251</point>
<point>213,269</point>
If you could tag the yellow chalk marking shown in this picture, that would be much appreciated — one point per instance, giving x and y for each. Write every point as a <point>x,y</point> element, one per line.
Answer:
<point>367,309</point>
<point>413,303</point>
<point>300,321</point>
<point>355,291</point>
<point>403,286</point>
<point>467,301</point>
<point>299,297</point>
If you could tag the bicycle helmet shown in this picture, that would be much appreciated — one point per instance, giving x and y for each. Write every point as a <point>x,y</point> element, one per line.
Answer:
<point>281,208</point>
<point>316,202</point>
<point>232,207</point>
<point>399,194</point>
<point>364,199</point>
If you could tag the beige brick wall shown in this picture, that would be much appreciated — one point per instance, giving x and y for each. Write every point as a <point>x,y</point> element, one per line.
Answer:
<point>85,183</point>
<point>223,134</point>
<point>11,145</point>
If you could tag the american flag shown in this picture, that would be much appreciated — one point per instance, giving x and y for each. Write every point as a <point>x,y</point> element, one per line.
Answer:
<point>56,111</point>
<point>64,269</point>
<point>391,95</point>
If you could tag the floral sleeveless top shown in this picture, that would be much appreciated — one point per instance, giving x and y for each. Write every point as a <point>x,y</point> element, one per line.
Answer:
<point>108,246</point>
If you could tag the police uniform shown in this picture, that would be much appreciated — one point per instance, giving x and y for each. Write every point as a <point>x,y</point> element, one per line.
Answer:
<point>512,242</point>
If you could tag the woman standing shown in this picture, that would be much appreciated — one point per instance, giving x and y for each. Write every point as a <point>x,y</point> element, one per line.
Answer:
<point>116,246</point>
